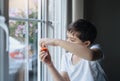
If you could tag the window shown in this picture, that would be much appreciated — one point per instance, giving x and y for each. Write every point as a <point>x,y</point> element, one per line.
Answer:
<point>56,28</point>
<point>29,21</point>
<point>23,25</point>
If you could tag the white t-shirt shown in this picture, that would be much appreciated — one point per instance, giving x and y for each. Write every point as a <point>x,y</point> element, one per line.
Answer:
<point>84,70</point>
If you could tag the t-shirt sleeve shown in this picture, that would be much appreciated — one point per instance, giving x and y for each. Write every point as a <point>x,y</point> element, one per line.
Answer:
<point>63,64</point>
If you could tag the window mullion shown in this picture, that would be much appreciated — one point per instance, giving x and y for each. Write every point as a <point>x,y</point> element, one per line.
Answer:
<point>27,44</point>
<point>46,32</point>
<point>39,76</point>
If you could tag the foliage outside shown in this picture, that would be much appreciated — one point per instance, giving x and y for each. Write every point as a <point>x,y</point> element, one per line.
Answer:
<point>18,28</point>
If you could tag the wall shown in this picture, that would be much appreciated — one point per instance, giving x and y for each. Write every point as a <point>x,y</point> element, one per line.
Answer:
<point>106,15</point>
<point>4,8</point>
<point>77,9</point>
<point>1,7</point>
<point>69,11</point>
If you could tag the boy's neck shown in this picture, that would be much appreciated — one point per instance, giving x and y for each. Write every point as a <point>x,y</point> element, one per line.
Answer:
<point>75,59</point>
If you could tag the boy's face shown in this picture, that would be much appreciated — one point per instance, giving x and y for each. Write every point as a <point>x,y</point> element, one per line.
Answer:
<point>72,37</point>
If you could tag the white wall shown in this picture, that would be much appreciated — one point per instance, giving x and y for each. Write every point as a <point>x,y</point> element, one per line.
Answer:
<point>77,9</point>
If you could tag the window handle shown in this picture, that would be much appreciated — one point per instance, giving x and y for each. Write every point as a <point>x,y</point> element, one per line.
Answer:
<point>48,22</point>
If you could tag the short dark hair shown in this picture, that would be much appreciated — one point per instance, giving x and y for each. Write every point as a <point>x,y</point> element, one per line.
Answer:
<point>85,29</point>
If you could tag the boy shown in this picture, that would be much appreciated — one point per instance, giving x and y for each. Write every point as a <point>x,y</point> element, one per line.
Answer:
<point>81,63</point>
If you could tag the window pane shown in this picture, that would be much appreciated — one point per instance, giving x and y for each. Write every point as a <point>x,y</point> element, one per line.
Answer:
<point>17,8</point>
<point>17,50</point>
<point>51,10</point>
<point>33,32</point>
<point>17,30</point>
<point>33,9</point>
<point>23,40</point>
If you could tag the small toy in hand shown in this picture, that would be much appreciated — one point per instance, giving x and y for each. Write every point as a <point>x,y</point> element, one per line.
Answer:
<point>44,49</point>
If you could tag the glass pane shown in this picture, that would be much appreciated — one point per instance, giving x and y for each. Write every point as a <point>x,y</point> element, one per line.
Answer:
<point>51,10</point>
<point>17,8</point>
<point>23,39</point>
<point>33,9</point>
<point>51,18</point>
<point>17,30</point>
<point>17,50</point>
<point>33,32</point>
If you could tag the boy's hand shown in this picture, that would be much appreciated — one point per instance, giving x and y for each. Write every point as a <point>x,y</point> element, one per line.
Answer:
<point>45,42</point>
<point>45,56</point>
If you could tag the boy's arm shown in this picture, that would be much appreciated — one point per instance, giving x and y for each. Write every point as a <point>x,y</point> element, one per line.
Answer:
<point>65,76</point>
<point>46,59</point>
<point>81,51</point>
<point>56,75</point>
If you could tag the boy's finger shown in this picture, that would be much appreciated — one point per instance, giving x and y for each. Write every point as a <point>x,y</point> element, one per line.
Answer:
<point>41,54</point>
<point>44,57</point>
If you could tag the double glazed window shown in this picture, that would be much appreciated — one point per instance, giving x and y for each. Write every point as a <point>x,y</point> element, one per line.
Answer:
<point>29,21</point>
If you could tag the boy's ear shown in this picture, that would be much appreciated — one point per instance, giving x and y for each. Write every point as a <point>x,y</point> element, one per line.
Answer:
<point>87,43</point>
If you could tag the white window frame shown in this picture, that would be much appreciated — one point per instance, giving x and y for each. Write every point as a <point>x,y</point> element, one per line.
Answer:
<point>59,23</point>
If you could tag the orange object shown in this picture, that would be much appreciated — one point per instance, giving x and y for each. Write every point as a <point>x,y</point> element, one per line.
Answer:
<point>44,49</point>
<point>13,54</point>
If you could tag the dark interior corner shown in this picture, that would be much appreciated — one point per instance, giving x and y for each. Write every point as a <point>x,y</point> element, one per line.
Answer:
<point>106,16</point>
